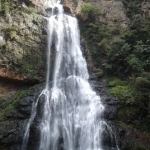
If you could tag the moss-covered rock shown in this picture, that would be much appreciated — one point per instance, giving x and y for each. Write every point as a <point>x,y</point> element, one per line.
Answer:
<point>23,44</point>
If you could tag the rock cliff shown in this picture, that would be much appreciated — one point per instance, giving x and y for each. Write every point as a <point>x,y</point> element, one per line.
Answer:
<point>22,64</point>
<point>22,43</point>
<point>110,10</point>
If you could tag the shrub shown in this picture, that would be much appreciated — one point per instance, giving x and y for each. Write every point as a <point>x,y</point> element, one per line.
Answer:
<point>4,7</point>
<point>31,10</point>
<point>124,94</point>
<point>89,10</point>
<point>122,90</point>
<point>115,82</point>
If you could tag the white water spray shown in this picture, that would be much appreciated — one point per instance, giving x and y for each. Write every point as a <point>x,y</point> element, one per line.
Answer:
<point>72,110</point>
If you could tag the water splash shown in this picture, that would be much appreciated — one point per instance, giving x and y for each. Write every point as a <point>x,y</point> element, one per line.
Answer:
<point>72,110</point>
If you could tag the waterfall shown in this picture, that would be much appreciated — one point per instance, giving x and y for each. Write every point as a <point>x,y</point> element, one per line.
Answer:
<point>71,111</point>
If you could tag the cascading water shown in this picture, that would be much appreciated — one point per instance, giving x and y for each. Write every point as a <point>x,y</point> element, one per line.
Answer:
<point>71,116</point>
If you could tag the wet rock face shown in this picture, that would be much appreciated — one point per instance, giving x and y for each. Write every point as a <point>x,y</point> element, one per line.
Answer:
<point>110,102</point>
<point>11,134</point>
<point>22,43</point>
<point>111,11</point>
<point>13,125</point>
<point>109,139</point>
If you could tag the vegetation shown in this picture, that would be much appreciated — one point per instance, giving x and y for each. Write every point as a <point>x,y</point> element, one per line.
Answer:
<point>125,54</point>
<point>7,7</point>
<point>97,36</point>
<point>4,7</point>
<point>129,56</point>
<point>89,11</point>
<point>8,104</point>
<point>132,7</point>
<point>122,90</point>
<point>31,10</point>
<point>21,49</point>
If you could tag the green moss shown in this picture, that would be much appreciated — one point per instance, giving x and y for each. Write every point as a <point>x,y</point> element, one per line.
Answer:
<point>27,68</point>
<point>10,102</point>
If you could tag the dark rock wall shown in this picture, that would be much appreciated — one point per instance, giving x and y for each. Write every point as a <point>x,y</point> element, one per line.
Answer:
<point>14,118</point>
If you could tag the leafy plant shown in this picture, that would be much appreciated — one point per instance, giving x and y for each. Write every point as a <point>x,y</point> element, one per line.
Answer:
<point>4,7</point>
<point>124,93</point>
<point>132,7</point>
<point>31,10</point>
<point>122,90</point>
<point>115,82</point>
<point>89,10</point>
<point>27,68</point>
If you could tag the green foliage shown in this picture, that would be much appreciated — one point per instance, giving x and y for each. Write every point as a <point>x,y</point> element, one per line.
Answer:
<point>11,32</point>
<point>122,90</point>
<point>132,7</point>
<point>142,86</point>
<point>13,35</point>
<point>27,68</point>
<point>31,10</point>
<point>4,7</point>
<point>97,37</point>
<point>106,66</point>
<point>85,8</point>
<point>119,49</point>
<point>103,44</point>
<point>124,94</point>
<point>89,10</point>
<point>142,82</point>
<point>117,53</point>
<point>7,6</point>
<point>141,147</point>
<point>132,49</point>
<point>124,53</point>
<point>115,82</point>
<point>100,73</point>
<point>130,58</point>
